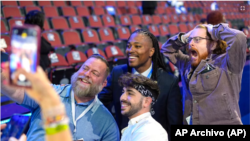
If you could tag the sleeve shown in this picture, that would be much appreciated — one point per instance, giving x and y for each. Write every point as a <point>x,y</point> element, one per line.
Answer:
<point>113,133</point>
<point>106,95</point>
<point>171,49</point>
<point>29,103</point>
<point>237,45</point>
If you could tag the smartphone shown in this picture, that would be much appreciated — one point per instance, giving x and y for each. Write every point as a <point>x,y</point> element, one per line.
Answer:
<point>25,48</point>
<point>17,125</point>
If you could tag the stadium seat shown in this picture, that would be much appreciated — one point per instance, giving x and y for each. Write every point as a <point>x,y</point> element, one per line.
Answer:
<point>50,11</point>
<point>125,20</point>
<point>76,22</point>
<point>95,21</point>
<point>94,50</point>
<point>138,3</point>
<point>9,3</point>
<point>183,27</point>
<point>68,11</point>
<point>106,34</point>
<point>52,37</point>
<point>75,57</point>
<point>4,27</point>
<point>123,33</point>
<point>98,11</point>
<point>59,3</point>
<point>44,3</point>
<point>100,3</point>
<point>71,37</point>
<point>46,25</point>
<point>160,10</point>
<point>190,18</point>
<point>165,19</point>
<point>113,52</point>
<point>156,19</point>
<point>82,11</point>
<point>174,18</point>
<point>130,4</point>
<point>183,18</point>
<point>154,30</point>
<point>136,19</point>
<point>134,27</point>
<point>132,10</point>
<point>11,11</point>
<point>6,39</point>
<point>173,29</point>
<point>121,4</point>
<point>108,21</point>
<point>190,26</point>
<point>111,3</point>
<point>75,3</point>
<point>26,3</point>
<point>30,8</point>
<point>90,36</point>
<point>163,30</point>
<point>59,23</point>
<point>88,3</point>
<point>15,21</point>
<point>57,60</point>
<point>121,10</point>
<point>146,19</point>
<point>170,11</point>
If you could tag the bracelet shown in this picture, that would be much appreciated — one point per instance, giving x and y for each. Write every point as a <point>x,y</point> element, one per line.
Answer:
<point>54,116</point>
<point>57,129</point>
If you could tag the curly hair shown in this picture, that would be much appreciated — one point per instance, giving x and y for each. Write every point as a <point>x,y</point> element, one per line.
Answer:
<point>221,45</point>
<point>130,80</point>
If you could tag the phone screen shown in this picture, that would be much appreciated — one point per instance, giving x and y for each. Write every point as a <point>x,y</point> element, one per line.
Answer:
<point>24,46</point>
<point>15,127</point>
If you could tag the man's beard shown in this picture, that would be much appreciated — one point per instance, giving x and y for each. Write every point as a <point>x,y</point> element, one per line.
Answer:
<point>82,90</point>
<point>200,57</point>
<point>135,108</point>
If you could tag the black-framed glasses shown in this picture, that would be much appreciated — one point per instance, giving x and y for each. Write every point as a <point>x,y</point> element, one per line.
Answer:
<point>196,39</point>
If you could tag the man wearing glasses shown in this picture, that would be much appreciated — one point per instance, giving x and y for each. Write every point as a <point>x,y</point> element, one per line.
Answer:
<point>211,72</point>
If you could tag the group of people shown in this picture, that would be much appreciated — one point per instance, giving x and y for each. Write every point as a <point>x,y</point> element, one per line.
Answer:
<point>145,98</point>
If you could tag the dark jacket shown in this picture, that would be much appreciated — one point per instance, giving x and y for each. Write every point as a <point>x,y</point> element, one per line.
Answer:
<point>168,108</point>
<point>212,96</point>
<point>44,51</point>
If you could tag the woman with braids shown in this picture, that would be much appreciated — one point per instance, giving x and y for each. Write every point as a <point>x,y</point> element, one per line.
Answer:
<point>144,58</point>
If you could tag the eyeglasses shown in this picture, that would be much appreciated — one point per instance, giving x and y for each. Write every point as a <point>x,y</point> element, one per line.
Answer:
<point>196,39</point>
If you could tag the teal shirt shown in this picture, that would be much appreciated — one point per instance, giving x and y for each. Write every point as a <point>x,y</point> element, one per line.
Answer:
<point>96,125</point>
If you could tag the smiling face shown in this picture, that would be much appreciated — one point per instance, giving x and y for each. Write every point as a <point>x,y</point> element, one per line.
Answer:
<point>131,102</point>
<point>89,79</point>
<point>198,51</point>
<point>139,51</point>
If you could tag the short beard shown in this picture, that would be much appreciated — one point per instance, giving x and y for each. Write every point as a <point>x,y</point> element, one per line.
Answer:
<point>200,57</point>
<point>134,108</point>
<point>84,91</point>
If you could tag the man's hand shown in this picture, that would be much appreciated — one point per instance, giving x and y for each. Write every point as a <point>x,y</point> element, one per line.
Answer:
<point>185,36</point>
<point>210,30</point>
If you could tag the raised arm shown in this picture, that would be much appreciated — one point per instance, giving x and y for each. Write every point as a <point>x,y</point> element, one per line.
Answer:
<point>171,49</point>
<point>15,94</point>
<point>237,45</point>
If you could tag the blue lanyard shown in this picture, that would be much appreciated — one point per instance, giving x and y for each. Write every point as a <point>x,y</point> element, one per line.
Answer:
<point>150,73</point>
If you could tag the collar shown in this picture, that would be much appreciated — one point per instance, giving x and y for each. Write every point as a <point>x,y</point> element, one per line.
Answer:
<point>137,119</point>
<point>145,73</point>
<point>85,103</point>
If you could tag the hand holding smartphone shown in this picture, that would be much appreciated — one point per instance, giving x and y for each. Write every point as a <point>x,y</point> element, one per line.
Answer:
<point>25,47</point>
<point>17,125</point>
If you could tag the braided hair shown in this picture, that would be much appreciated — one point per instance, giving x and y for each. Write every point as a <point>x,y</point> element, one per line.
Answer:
<point>157,58</point>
